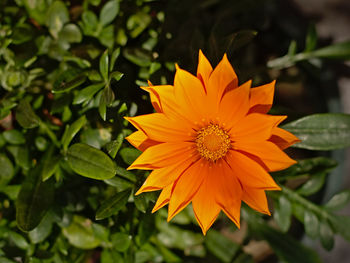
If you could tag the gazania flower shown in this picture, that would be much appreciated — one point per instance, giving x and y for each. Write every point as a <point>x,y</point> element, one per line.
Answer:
<point>210,142</point>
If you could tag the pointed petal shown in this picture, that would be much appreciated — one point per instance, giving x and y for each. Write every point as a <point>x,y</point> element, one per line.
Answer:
<point>186,187</point>
<point>256,199</point>
<point>204,69</point>
<point>155,100</point>
<point>190,94</point>
<point>253,127</point>
<point>204,204</point>
<point>282,138</point>
<point>163,154</point>
<point>249,172</point>
<point>162,177</point>
<point>229,192</point>
<point>221,79</point>
<point>261,98</point>
<point>163,198</point>
<point>272,156</point>
<point>160,128</point>
<point>140,141</point>
<point>234,105</point>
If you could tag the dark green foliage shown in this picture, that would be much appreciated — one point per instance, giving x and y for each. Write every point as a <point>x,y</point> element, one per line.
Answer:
<point>70,72</point>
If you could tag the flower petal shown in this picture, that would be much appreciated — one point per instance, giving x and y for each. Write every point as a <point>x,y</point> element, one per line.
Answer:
<point>234,105</point>
<point>190,94</point>
<point>186,187</point>
<point>283,138</point>
<point>261,98</point>
<point>204,204</point>
<point>254,127</point>
<point>249,172</point>
<point>163,154</point>
<point>140,140</point>
<point>256,199</point>
<point>163,198</point>
<point>229,192</point>
<point>160,128</point>
<point>272,156</point>
<point>204,69</point>
<point>162,177</point>
<point>221,79</point>
<point>155,99</point>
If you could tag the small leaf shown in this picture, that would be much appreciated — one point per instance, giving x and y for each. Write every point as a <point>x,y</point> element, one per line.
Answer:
<point>18,239</point>
<point>327,131</point>
<point>14,137</point>
<point>129,155</point>
<point>114,146</point>
<point>141,203</point>
<point>71,131</point>
<point>336,51</point>
<point>34,199</point>
<point>326,235</point>
<point>116,75</point>
<point>313,185</point>
<point>42,231</point>
<point>108,12</point>
<point>66,86</point>
<point>121,241</point>
<point>87,93</point>
<point>311,39</point>
<point>50,163</point>
<point>311,224</point>
<point>114,57</point>
<point>112,205</point>
<point>90,162</point>
<point>80,233</point>
<point>220,246</point>
<point>26,116</point>
<point>282,214</point>
<point>292,49</point>
<point>71,33</point>
<point>110,256</point>
<point>7,170</point>
<point>338,201</point>
<point>56,17</point>
<point>104,61</point>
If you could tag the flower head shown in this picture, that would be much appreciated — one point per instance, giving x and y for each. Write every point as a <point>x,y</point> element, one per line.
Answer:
<point>210,142</point>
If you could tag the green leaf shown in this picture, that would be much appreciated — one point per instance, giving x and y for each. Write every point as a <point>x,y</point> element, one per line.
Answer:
<point>71,33</point>
<point>283,213</point>
<point>50,163</point>
<point>112,205</point>
<point>311,39</point>
<point>129,155</point>
<point>220,246</point>
<point>141,203</point>
<point>87,93</point>
<point>104,62</point>
<point>106,37</point>
<point>116,75</point>
<point>110,256</point>
<point>313,185</point>
<point>336,51</point>
<point>26,116</point>
<point>34,199</point>
<point>114,146</point>
<point>7,170</point>
<point>18,239</point>
<point>311,224</point>
<point>80,233</point>
<point>341,225</point>
<point>114,57</point>
<point>42,231</point>
<point>108,12</point>
<point>14,137</point>
<point>137,56</point>
<point>326,235</point>
<point>90,162</point>
<point>327,131</point>
<point>21,155</point>
<point>71,131</point>
<point>121,241</point>
<point>338,201</point>
<point>67,86</point>
<point>146,228</point>
<point>56,17</point>
<point>284,245</point>
<point>292,49</point>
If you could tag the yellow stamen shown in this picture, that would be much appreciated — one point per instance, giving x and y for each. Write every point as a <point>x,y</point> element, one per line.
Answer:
<point>213,142</point>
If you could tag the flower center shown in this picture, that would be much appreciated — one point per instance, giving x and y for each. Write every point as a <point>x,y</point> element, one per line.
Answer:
<point>213,142</point>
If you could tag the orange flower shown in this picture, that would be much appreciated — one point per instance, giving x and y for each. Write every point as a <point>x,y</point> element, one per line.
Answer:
<point>210,143</point>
